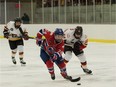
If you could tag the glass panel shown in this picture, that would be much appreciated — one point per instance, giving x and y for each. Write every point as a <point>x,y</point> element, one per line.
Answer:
<point>106,11</point>
<point>82,11</point>
<point>12,10</point>
<point>113,12</point>
<point>25,11</point>
<point>98,11</point>
<point>62,11</point>
<point>90,12</point>
<point>2,12</point>
<point>76,11</point>
<point>55,11</point>
<point>47,11</point>
<point>38,13</point>
<point>69,11</point>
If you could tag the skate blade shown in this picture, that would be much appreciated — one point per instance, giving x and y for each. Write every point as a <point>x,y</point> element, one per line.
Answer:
<point>23,64</point>
<point>89,74</point>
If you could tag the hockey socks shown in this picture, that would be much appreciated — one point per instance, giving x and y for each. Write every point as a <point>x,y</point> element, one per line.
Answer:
<point>50,67</point>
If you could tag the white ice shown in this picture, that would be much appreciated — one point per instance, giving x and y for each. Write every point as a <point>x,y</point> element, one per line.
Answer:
<point>101,59</point>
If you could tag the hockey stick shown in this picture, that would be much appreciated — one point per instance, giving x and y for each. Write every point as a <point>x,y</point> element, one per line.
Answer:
<point>75,79</point>
<point>32,37</point>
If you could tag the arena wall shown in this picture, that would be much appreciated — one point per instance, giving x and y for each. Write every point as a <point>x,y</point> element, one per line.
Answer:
<point>96,33</point>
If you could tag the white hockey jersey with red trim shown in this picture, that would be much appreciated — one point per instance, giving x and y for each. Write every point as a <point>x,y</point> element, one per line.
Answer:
<point>70,39</point>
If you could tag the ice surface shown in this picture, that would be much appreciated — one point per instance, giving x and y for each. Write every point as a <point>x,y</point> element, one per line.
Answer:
<point>101,59</point>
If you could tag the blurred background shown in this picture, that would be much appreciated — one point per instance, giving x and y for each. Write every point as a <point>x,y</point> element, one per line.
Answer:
<point>59,11</point>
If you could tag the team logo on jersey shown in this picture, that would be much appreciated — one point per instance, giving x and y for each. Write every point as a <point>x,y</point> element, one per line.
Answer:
<point>11,29</point>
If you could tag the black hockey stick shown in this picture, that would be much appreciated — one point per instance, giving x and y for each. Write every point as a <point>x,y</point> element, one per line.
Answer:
<point>75,79</point>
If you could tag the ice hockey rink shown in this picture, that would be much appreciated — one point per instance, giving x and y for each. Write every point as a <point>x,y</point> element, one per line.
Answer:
<point>101,59</point>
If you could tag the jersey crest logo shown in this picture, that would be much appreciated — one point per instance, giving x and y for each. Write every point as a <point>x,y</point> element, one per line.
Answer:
<point>11,29</point>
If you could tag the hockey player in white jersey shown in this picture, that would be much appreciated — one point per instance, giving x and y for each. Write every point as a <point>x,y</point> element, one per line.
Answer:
<point>76,41</point>
<point>14,32</point>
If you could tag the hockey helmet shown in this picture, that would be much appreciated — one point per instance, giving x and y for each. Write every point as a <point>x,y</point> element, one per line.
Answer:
<point>78,31</point>
<point>17,20</point>
<point>59,35</point>
<point>17,25</point>
<point>59,31</point>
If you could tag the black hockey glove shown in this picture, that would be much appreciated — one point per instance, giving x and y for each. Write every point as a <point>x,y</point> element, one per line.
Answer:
<point>39,43</point>
<point>79,42</point>
<point>5,32</point>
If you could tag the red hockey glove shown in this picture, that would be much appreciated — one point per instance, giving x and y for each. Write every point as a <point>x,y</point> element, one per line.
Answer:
<point>82,47</point>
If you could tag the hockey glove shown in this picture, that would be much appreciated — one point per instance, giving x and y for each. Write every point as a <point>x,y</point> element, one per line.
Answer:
<point>82,47</point>
<point>25,36</point>
<point>39,43</point>
<point>50,50</point>
<point>83,44</point>
<point>5,32</point>
<point>56,56</point>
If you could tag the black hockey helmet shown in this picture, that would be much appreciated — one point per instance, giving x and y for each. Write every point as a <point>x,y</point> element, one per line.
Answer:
<point>17,20</point>
<point>78,31</point>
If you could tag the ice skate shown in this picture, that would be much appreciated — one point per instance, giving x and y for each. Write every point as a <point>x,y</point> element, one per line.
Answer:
<point>68,77</point>
<point>14,60</point>
<point>86,70</point>
<point>22,62</point>
<point>53,76</point>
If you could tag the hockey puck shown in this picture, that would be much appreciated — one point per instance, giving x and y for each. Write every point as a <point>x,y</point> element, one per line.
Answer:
<point>78,83</point>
